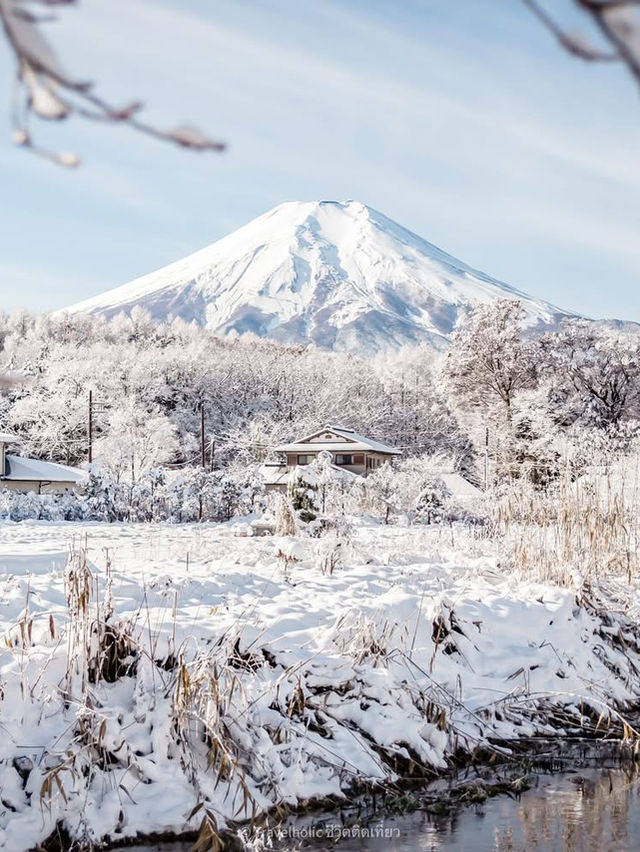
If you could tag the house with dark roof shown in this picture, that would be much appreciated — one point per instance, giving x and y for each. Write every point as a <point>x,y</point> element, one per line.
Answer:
<point>19,473</point>
<point>352,454</point>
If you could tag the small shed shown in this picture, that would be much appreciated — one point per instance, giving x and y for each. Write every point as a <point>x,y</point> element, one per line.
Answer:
<point>19,473</point>
<point>459,487</point>
<point>276,475</point>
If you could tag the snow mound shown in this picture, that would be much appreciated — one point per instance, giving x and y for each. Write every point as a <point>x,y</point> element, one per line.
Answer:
<point>237,685</point>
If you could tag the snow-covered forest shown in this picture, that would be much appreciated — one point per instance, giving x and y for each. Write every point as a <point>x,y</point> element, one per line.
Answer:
<point>500,406</point>
<point>151,379</point>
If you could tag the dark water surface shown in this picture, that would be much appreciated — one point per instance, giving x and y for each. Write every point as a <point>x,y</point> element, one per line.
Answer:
<point>590,810</point>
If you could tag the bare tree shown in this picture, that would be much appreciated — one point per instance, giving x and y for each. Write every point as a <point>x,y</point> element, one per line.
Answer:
<point>618,21</point>
<point>46,90</point>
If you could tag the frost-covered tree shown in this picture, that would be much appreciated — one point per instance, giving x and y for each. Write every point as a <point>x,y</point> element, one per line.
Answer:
<point>594,373</point>
<point>490,360</point>
<point>616,21</point>
<point>325,477</point>
<point>530,446</point>
<point>135,441</point>
<point>432,501</point>
<point>46,90</point>
<point>304,492</point>
<point>382,491</point>
<point>51,422</point>
<point>419,417</point>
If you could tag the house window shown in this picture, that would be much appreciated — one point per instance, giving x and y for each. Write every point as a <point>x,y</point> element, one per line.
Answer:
<point>342,459</point>
<point>305,459</point>
<point>358,459</point>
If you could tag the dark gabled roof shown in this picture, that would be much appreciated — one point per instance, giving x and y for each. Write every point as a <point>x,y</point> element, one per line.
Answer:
<point>352,442</point>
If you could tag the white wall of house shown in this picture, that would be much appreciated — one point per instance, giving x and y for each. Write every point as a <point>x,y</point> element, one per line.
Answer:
<point>361,463</point>
<point>36,487</point>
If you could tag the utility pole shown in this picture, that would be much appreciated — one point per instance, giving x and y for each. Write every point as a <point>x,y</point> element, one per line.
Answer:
<point>100,408</point>
<point>90,429</point>
<point>203,457</point>
<point>416,423</point>
<point>403,409</point>
<point>486,458</point>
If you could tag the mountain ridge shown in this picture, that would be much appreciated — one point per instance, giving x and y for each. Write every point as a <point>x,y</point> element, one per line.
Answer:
<point>339,275</point>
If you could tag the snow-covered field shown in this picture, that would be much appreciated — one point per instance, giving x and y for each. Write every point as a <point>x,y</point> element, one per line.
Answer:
<point>189,672</point>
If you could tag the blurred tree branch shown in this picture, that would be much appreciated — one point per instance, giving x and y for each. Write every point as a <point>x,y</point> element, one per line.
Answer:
<point>618,22</point>
<point>46,90</point>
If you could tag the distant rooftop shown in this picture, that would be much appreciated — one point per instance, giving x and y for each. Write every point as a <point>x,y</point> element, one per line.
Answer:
<point>278,474</point>
<point>353,442</point>
<point>33,470</point>
<point>9,438</point>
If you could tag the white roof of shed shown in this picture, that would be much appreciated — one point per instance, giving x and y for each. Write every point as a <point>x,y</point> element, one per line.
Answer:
<point>34,470</point>
<point>8,438</point>
<point>459,486</point>
<point>278,474</point>
<point>274,474</point>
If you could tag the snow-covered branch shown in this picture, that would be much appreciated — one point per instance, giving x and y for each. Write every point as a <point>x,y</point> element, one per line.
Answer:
<point>46,90</point>
<point>618,22</point>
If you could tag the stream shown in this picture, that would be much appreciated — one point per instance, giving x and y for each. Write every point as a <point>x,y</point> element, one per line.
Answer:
<point>589,809</point>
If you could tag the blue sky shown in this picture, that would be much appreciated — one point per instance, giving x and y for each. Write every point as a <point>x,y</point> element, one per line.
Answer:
<point>461,120</point>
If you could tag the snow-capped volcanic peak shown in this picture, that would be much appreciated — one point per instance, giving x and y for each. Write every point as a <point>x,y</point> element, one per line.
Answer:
<point>336,274</point>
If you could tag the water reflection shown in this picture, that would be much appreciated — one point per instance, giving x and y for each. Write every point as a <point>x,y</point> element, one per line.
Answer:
<point>587,811</point>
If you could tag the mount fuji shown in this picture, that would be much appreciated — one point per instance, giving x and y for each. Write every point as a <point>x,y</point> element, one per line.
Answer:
<point>338,275</point>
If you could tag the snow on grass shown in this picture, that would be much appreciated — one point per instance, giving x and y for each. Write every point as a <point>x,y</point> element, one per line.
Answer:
<point>182,668</point>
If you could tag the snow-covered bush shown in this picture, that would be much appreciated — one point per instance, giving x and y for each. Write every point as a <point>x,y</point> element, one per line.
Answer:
<point>101,496</point>
<point>22,506</point>
<point>335,546</point>
<point>285,519</point>
<point>199,495</point>
<point>158,495</point>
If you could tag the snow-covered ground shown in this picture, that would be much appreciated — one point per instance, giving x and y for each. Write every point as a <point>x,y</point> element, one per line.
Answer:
<point>245,677</point>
